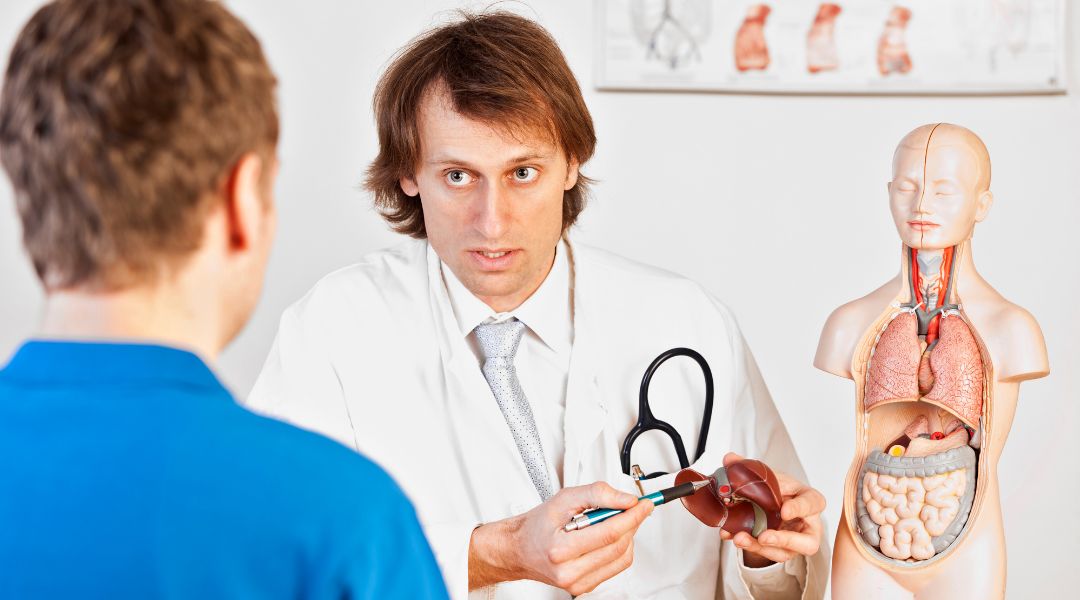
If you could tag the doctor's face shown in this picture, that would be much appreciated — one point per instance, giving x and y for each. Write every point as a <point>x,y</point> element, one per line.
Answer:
<point>492,202</point>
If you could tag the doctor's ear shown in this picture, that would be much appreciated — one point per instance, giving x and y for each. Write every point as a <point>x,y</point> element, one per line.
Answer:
<point>571,174</point>
<point>983,204</point>
<point>408,185</point>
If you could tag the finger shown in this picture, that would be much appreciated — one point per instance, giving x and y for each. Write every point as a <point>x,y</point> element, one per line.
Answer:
<point>810,525</point>
<point>600,494</point>
<point>603,572</point>
<point>747,543</point>
<point>583,564</point>
<point>607,532</point>
<point>731,458</point>
<point>724,535</point>
<point>806,503</point>
<point>802,543</point>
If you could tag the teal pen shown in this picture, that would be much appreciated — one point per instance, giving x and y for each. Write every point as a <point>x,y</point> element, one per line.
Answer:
<point>595,515</point>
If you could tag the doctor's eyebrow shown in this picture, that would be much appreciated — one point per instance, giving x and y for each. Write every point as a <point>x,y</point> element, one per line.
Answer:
<point>523,158</point>
<point>530,157</point>
<point>447,160</point>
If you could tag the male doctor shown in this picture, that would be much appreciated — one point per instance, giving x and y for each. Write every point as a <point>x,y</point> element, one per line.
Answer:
<point>492,365</point>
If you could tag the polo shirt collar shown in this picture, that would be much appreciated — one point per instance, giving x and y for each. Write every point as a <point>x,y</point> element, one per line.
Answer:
<point>97,362</point>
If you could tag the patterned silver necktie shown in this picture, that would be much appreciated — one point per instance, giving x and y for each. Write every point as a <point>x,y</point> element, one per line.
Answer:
<point>499,343</point>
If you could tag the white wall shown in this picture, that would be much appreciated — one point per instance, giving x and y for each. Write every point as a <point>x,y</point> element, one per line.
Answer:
<point>777,204</point>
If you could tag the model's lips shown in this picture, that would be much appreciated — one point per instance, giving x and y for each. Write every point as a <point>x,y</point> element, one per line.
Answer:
<point>922,225</point>
<point>493,259</point>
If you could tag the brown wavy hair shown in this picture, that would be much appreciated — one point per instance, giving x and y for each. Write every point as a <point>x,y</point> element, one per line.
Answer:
<point>119,122</point>
<point>497,68</point>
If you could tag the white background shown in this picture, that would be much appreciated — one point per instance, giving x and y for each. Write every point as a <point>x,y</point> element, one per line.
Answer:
<point>776,203</point>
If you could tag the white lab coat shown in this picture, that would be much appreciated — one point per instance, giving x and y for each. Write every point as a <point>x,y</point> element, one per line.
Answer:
<point>372,357</point>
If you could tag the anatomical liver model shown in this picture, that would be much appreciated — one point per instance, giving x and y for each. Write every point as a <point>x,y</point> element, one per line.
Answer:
<point>744,496</point>
<point>751,50</point>
<point>892,53</point>
<point>937,356</point>
<point>821,53</point>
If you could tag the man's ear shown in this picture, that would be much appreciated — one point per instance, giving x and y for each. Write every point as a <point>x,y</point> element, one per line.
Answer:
<point>983,204</point>
<point>245,201</point>
<point>571,174</point>
<point>408,185</point>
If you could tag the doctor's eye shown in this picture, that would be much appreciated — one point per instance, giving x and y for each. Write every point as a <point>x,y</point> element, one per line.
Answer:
<point>458,178</point>
<point>525,174</point>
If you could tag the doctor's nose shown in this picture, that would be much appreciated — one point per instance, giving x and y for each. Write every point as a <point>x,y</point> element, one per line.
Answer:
<point>492,216</point>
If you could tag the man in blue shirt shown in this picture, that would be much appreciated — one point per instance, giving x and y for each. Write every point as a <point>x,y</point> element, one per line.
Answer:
<point>140,136</point>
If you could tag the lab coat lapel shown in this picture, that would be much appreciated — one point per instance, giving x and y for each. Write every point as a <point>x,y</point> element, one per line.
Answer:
<point>586,455</point>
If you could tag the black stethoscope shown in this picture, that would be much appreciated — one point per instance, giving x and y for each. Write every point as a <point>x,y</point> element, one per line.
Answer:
<point>647,422</point>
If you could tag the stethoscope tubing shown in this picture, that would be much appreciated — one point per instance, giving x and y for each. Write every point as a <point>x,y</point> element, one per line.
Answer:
<point>647,422</point>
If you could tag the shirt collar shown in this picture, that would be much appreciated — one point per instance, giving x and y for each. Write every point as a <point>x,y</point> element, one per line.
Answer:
<point>74,362</point>
<point>547,312</point>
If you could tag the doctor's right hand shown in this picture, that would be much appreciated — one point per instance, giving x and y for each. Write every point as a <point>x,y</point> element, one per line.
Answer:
<point>535,546</point>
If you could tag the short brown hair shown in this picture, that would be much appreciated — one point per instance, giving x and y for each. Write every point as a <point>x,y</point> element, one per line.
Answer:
<point>496,67</point>
<point>119,120</point>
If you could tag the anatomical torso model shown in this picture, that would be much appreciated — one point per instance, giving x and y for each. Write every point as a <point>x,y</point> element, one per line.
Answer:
<point>937,356</point>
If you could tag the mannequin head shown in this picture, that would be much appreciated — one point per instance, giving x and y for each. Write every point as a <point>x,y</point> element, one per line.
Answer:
<point>940,187</point>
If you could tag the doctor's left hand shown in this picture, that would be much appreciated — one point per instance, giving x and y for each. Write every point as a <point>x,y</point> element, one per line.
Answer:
<point>800,532</point>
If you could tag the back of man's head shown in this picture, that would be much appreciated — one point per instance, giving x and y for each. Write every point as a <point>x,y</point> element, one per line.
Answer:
<point>120,123</point>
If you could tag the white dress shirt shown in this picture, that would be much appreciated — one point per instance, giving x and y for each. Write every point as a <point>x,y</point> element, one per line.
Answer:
<point>543,357</point>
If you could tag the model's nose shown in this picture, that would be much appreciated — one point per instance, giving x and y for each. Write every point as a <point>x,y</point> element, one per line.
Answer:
<point>922,207</point>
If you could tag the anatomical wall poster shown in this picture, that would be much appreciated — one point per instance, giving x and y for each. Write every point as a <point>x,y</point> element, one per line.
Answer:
<point>849,46</point>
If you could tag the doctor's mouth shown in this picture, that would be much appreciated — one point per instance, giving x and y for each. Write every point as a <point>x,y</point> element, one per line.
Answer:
<point>494,260</point>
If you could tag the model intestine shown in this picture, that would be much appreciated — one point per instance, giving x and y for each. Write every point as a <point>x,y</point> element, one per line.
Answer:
<point>912,509</point>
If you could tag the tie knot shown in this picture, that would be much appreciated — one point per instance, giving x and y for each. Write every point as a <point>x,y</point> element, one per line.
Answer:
<point>500,340</point>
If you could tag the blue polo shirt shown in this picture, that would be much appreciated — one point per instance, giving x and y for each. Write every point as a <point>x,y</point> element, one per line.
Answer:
<point>128,471</point>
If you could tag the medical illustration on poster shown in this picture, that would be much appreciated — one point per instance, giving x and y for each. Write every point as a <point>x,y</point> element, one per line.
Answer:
<point>852,46</point>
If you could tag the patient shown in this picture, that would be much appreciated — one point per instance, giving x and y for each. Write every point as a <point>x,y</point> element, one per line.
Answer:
<point>139,136</point>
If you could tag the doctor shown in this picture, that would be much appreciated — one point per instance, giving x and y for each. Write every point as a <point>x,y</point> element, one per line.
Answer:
<point>492,365</point>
